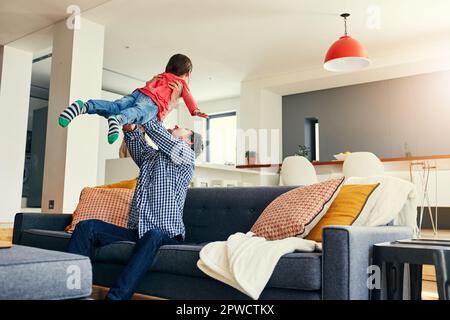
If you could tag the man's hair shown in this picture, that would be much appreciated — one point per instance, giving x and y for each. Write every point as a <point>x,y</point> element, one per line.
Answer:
<point>179,64</point>
<point>197,143</point>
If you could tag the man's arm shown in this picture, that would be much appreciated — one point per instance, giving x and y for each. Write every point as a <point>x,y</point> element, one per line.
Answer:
<point>177,88</point>
<point>137,146</point>
<point>178,151</point>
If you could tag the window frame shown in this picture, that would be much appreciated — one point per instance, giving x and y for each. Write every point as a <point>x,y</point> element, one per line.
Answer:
<point>208,125</point>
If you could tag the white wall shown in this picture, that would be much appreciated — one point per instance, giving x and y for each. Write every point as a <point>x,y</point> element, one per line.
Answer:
<point>261,99</point>
<point>125,169</point>
<point>15,81</point>
<point>210,107</point>
<point>71,157</point>
<point>260,115</point>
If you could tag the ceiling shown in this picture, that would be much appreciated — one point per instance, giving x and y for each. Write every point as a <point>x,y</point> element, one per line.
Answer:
<point>19,18</point>
<point>230,41</point>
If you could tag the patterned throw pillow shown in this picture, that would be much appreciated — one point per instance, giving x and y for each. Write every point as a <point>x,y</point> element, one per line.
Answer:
<point>109,205</point>
<point>296,212</point>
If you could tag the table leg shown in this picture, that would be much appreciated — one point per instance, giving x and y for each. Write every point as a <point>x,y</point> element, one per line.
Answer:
<point>415,272</point>
<point>394,281</point>
<point>442,265</point>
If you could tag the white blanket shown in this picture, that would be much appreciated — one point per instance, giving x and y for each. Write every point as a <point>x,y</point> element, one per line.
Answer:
<point>246,262</point>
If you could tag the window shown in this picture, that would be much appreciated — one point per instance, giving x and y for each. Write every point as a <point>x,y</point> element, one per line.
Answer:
<point>312,138</point>
<point>221,138</point>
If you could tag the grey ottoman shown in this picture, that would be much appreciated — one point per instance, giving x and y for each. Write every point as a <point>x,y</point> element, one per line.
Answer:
<point>31,273</point>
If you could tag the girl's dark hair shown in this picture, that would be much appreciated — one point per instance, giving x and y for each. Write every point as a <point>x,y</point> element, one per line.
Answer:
<point>179,64</point>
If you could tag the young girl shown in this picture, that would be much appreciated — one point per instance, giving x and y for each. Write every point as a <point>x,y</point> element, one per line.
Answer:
<point>143,104</point>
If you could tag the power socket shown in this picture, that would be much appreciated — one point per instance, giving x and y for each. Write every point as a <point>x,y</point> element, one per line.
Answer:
<point>51,204</point>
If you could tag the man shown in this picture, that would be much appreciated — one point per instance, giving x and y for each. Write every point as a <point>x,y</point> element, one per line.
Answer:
<point>156,214</point>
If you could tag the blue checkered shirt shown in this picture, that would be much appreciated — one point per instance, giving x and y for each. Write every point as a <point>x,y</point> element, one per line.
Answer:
<point>164,177</point>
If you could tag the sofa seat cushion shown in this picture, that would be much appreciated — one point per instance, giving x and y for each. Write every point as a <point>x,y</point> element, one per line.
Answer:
<point>301,271</point>
<point>32,273</point>
<point>45,239</point>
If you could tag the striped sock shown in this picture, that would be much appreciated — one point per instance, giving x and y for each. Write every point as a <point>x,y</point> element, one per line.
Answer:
<point>74,110</point>
<point>113,131</point>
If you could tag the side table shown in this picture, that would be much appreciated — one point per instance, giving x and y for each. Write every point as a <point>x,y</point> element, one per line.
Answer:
<point>391,257</point>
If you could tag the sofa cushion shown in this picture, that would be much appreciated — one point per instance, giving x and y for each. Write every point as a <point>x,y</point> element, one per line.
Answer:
<point>45,239</point>
<point>296,270</point>
<point>212,214</point>
<point>32,273</point>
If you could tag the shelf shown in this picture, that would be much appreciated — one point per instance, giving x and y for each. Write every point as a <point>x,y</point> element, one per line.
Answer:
<point>231,168</point>
<point>336,162</point>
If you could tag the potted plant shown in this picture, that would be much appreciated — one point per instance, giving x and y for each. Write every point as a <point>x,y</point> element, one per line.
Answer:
<point>303,151</point>
<point>251,157</point>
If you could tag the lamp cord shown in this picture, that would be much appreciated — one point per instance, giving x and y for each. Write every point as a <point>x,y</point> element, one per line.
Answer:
<point>345,16</point>
<point>345,25</point>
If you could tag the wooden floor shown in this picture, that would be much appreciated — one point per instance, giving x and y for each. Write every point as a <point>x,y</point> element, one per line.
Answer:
<point>99,293</point>
<point>429,291</point>
<point>5,234</point>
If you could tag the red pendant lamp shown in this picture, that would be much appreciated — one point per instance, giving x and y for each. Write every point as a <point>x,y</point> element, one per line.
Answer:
<point>346,54</point>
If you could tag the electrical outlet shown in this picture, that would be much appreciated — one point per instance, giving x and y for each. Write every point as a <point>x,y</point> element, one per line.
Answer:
<point>51,204</point>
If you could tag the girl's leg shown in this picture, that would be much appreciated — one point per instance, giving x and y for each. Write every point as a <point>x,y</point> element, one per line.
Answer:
<point>101,107</point>
<point>74,110</point>
<point>143,110</point>
<point>106,108</point>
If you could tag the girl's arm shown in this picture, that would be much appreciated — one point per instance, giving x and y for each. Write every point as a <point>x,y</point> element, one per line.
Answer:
<point>191,103</point>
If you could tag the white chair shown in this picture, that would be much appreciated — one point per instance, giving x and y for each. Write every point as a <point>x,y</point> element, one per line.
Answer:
<point>297,171</point>
<point>362,164</point>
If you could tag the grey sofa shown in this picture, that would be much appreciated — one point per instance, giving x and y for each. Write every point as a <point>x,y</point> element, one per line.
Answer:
<point>212,214</point>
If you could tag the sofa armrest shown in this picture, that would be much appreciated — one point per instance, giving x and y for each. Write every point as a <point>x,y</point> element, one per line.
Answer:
<point>45,221</point>
<point>347,252</point>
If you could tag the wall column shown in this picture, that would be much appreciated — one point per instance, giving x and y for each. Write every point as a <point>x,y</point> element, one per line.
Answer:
<point>15,81</point>
<point>260,115</point>
<point>71,157</point>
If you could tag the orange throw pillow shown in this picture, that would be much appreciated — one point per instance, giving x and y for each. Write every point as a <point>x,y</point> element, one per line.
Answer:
<point>109,205</point>
<point>345,209</point>
<point>296,212</point>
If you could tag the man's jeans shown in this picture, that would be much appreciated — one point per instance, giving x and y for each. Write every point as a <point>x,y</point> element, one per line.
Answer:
<point>134,108</point>
<point>89,234</point>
